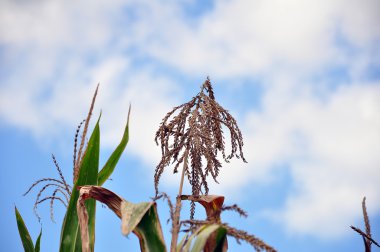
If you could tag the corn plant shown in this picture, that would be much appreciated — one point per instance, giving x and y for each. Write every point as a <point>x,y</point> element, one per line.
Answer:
<point>192,135</point>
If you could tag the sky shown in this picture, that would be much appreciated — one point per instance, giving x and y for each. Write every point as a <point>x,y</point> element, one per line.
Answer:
<point>302,79</point>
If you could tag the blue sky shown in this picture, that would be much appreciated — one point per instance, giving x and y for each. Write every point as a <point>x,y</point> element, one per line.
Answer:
<point>302,78</point>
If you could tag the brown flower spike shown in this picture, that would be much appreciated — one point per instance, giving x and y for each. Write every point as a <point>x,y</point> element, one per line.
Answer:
<point>192,134</point>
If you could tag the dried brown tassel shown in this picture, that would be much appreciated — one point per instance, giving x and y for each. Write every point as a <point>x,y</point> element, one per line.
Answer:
<point>75,145</point>
<point>60,187</point>
<point>366,219</point>
<point>367,237</point>
<point>237,209</point>
<point>197,126</point>
<point>239,235</point>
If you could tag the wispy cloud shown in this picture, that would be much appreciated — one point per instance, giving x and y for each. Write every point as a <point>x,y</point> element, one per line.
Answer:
<point>330,148</point>
<point>317,61</point>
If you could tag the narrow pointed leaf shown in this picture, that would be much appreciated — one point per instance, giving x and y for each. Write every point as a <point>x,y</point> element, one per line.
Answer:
<point>141,219</point>
<point>27,242</point>
<point>88,175</point>
<point>38,242</point>
<point>110,165</point>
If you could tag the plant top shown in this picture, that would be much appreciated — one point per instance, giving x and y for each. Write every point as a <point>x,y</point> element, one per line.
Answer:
<point>192,133</point>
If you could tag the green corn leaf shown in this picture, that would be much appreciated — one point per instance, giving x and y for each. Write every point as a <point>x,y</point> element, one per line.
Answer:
<point>189,242</point>
<point>199,239</point>
<point>27,242</point>
<point>204,236</point>
<point>148,228</point>
<point>141,219</point>
<point>110,165</point>
<point>38,242</point>
<point>221,243</point>
<point>88,175</point>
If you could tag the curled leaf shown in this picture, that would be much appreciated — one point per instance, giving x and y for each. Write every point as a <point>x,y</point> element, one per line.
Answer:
<point>212,203</point>
<point>141,219</point>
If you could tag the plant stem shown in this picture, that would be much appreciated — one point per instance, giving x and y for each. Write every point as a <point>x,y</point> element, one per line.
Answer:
<point>178,205</point>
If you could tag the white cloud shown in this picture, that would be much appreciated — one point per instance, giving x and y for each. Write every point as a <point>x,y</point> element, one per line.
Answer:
<point>150,98</point>
<point>59,23</point>
<point>331,148</point>
<point>358,21</point>
<point>252,37</point>
<point>330,141</point>
<point>341,165</point>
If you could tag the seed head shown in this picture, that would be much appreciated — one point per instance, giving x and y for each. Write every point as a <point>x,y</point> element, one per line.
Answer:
<point>192,134</point>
